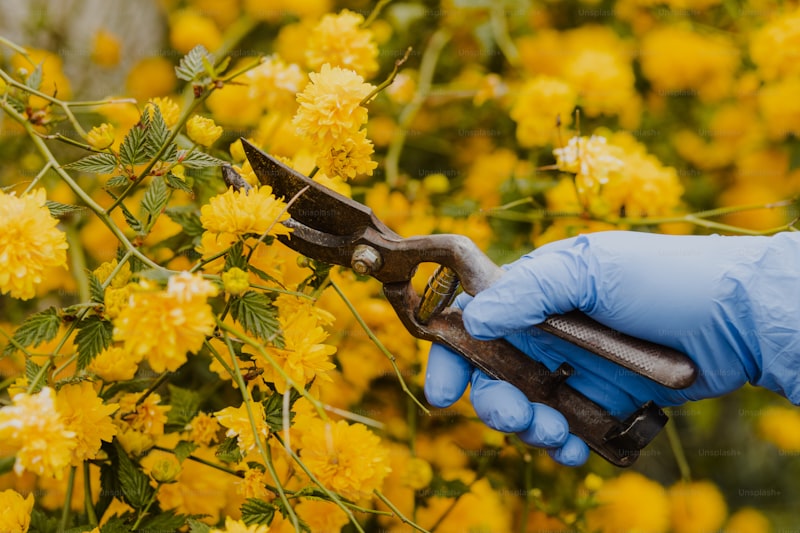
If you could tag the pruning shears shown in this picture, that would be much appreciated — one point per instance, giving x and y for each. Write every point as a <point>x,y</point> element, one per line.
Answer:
<point>332,228</point>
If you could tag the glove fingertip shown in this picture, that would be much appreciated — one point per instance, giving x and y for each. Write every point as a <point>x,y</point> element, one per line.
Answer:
<point>574,452</point>
<point>446,378</point>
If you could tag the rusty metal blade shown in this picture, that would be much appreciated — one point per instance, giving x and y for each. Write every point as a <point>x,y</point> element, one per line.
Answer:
<point>318,207</point>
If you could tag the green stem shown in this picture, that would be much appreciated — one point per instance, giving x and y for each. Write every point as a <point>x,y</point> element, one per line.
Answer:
<point>375,12</point>
<point>65,511</point>
<point>146,509</point>
<point>389,79</point>
<point>202,461</point>
<point>47,166</point>
<point>78,263</point>
<point>397,511</point>
<point>87,495</point>
<point>677,450</point>
<point>500,32</point>
<point>426,71</point>
<point>380,345</point>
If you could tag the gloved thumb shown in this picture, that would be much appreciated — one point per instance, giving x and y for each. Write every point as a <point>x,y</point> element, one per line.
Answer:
<point>532,289</point>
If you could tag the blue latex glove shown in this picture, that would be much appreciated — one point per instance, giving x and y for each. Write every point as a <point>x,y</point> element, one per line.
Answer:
<point>731,303</point>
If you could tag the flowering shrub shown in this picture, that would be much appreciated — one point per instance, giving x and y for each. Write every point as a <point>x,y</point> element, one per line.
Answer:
<point>167,365</point>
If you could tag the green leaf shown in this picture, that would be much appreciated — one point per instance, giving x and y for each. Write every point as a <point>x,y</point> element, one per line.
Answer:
<point>235,257</point>
<point>34,79</point>
<point>96,291</point>
<point>255,511</point>
<point>130,219</point>
<point>196,159</point>
<point>155,197</point>
<point>58,210</point>
<point>31,371</point>
<point>6,464</point>
<point>184,406</point>
<point>117,181</point>
<point>134,147</point>
<point>177,183</point>
<point>196,526</point>
<point>228,451</point>
<point>273,409</point>
<point>191,65</point>
<point>95,164</point>
<point>118,524</point>
<point>134,483</point>
<point>187,217</point>
<point>255,312</point>
<point>164,521</point>
<point>454,488</point>
<point>36,329</point>
<point>184,449</point>
<point>94,336</point>
<point>41,523</point>
<point>157,133</point>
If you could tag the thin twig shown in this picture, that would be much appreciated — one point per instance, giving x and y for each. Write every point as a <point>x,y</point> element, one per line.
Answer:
<point>397,511</point>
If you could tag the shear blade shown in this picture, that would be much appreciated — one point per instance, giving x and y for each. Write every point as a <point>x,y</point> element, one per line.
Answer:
<point>313,204</point>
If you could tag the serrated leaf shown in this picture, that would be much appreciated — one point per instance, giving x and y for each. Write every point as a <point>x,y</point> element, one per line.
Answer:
<point>31,371</point>
<point>187,218</point>
<point>134,483</point>
<point>195,526</point>
<point>109,481</point>
<point>95,164</point>
<point>454,488</point>
<point>34,79</point>
<point>118,524</point>
<point>131,220</point>
<point>273,409</point>
<point>117,181</point>
<point>191,65</point>
<point>235,257</point>
<point>255,511</point>
<point>96,291</point>
<point>155,197</point>
<point>58,210</point>
<point>177,183</point>
<point>184,406</point>
<point>164,521</point>
<point>134,147</point>
<point>255,312</point>
<point>184,449</point>
<point>41,523</point>
<point>157,133</point>
<point>196,159</point>
<point>38,328</point>
<point>228,450</point>
<point>94,336</point>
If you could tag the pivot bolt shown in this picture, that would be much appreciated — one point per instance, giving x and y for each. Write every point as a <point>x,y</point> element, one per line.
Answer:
<point>366,259</point>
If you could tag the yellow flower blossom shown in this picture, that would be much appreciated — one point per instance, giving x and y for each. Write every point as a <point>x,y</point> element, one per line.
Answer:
<point>33,426</point>
<point>15,511</point>
<point>322,516</point>
<point>592,160</point>
<point>165,470</point>
<point>330,106</point>
<point>630,502</point>
<point>101,137</point>
<point>241,212</point>
<point>84,414</point>
<point>115,364</point>
<point>147,416</point>
<point>237,526</point>
<point>203,429</point>
<point>418,473</point>
<point>748,520</point>
<point>696,507</point>
<point>540,103</point>
<point>135,443</point>
<point>779,109</point>
<point>341,41</point>
<point>253,484</point>
<point>773,47</point>
<point>275,83</point>
<point>237,421</point>
<point>170,111</point>
<point>203,130</point>
<point>151,77</point>
<point>348,158</point>
<point>235,281</point>
<point>54,82</point>
<point>106,48</point>
<point>781,426</point>
<point>30,242</point>
<point>188,28</point>
<point>481,509</point>
<point>164,325</point>
<point>348,459</point>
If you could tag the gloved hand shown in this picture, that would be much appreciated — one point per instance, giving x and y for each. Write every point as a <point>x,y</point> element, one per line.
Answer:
<point>731,303</point>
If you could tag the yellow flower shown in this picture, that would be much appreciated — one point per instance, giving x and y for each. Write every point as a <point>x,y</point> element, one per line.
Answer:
<point>85,415</point>
<point>592,160</point>
<point>276,83</point>
<point>630,502</point>
<point>780,115</point>
<point>105,48</point>
<point>15,511</point>
<point>151,77</point>
<point>54,82</point>
<point>303,356</point>
<point>253,484</point>
<point>203,429</point>
<point>781,426</point>
<point>696,507</point>
<point>101,137</point>
<point>242,212</point>
<point>236,281</point>
<point>748,520</point>
<point>322,516</point>
<point>481,509</point>
<point>148,417</point>
<point>341,41</point>
<point>165,471</point>
<point>188,28</point>
<point>418,473</point>
<point>348,158</point>
<point>540,103</point>
<point>33,425</point>
<point>237,526</point>
<point>203,130</point>
<point>135,443</point>
<point>237,421</point>
<point>30,242</point>
<point>348,459</point>
<point>773,47</point>
<point>115,364</point>
<point>164,325</point>
<point>330,106</point>
<point>170,111</point>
